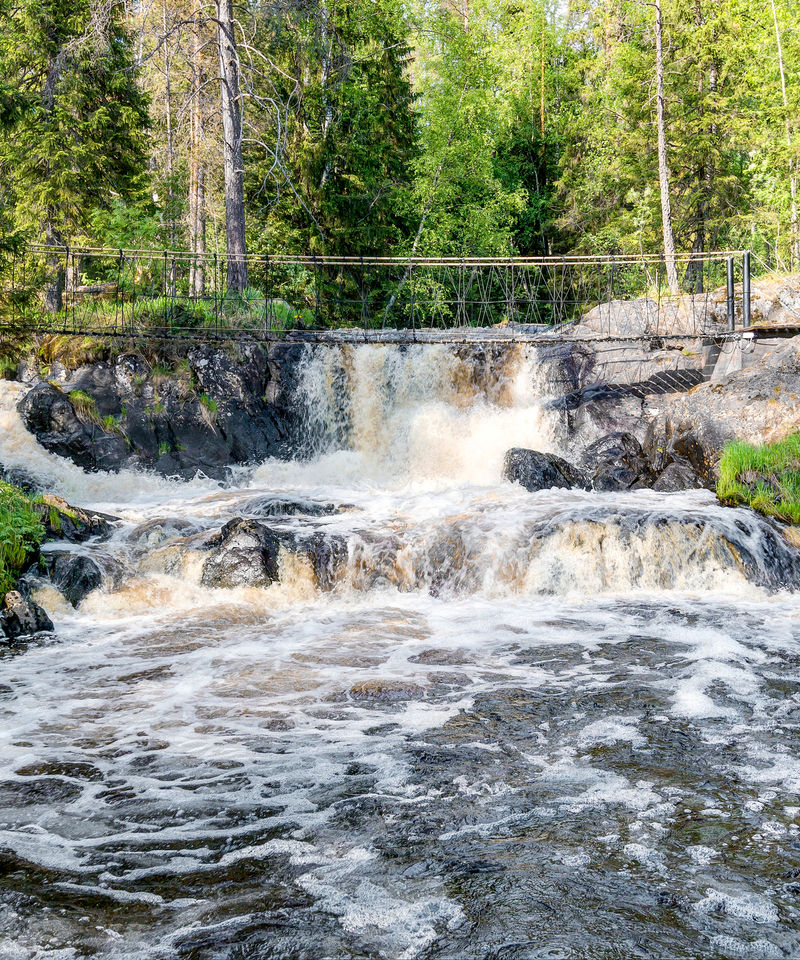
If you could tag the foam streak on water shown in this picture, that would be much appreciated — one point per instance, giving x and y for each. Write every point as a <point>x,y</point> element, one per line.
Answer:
<point>560,724</point>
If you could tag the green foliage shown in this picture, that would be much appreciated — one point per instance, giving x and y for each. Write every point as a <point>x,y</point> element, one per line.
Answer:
<point>766,478</point>
<point>79,140</point>
<point>384,127</point>
<point>344,172</point>
<point>21,532</point>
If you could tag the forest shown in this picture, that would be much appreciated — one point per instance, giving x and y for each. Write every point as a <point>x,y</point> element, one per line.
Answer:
<point>401,127</point>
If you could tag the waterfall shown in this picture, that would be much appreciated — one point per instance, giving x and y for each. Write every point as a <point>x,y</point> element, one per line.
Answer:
<point>434,414</point>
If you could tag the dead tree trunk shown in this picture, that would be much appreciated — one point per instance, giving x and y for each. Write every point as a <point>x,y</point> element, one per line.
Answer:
<point>170,148</point>
<point>231,103</point>
<point>56,267</point>
<point>197,173</point>
<point>663,168</point>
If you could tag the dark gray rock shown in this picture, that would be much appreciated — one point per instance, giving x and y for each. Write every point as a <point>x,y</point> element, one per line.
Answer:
<point>22,618</point>
<point>62,521</point>
<point>245,554</point>
<point>540,471</point>
<point>212,408</point>
<point>617,462</point>
<point>49,414</point>
<point>75,575</point>
<point>677,476</point>
<point>327,555</point>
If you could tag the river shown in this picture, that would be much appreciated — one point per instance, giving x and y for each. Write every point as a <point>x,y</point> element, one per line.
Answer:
<point>515,725</point>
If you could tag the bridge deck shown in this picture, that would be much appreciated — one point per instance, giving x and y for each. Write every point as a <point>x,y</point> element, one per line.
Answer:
<point>537,335</point>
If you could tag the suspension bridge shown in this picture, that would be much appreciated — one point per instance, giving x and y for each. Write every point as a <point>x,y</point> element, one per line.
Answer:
<point>102,292</point>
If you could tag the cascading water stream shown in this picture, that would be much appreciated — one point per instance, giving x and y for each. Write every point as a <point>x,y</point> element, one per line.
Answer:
<point>464,720</point>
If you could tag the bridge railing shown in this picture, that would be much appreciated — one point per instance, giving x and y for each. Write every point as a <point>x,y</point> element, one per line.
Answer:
<point>139,292</point>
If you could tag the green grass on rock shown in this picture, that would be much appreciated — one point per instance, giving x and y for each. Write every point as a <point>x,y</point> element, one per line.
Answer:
<point>766,478</point>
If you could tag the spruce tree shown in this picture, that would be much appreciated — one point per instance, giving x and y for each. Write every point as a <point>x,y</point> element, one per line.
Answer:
<point>80,140</point>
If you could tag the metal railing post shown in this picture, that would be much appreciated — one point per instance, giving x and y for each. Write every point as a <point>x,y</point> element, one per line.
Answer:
<point>267,319</point>
<point>746,302</point>
<point>216,296</point>
<point>729,292</point>
<point>119,302</point>
<point>316,291</point>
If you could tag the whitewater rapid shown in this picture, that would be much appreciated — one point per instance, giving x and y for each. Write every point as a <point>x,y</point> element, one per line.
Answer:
<point>558,724</point>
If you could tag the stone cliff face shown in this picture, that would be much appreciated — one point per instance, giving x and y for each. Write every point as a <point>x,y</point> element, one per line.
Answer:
<point>213,408</point>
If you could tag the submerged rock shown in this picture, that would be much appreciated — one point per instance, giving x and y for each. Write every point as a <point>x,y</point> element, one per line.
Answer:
<point>540,471</point>
<point>271,506</point>
<point>22,618</point>
<point>326,554</point>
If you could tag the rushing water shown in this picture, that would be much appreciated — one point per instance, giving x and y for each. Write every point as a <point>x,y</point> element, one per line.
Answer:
<point>516,725</point>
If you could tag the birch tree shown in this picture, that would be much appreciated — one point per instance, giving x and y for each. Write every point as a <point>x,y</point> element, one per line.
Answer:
<point>663,166</point>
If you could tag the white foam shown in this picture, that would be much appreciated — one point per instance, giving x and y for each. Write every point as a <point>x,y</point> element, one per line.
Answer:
<point>751,907</point>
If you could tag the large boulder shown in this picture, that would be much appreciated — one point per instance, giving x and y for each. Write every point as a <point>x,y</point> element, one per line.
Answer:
<point>48,412</point>
<point>247,553</point>
<point>677,476</point>
<point>540,471</point>
<point>203,411</point>
<point>21,618</point>
<point>76,575</point>
<point>617,462</point>
<point>244,554</point>
<point>757,404</point>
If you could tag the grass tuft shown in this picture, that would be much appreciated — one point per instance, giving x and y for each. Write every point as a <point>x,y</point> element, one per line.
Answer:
<point>85,405</point>
<point>766,478</point>
<point>208,403</point>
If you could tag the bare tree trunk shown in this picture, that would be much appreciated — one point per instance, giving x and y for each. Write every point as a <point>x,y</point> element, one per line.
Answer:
<point>170,148</point>
<point>232,148</point>
<point>56,268</point>
<point>663,168</point>
<point>794,247</point>
<point>197,173</point>
<point>541,74</point>
<point>705,174</point>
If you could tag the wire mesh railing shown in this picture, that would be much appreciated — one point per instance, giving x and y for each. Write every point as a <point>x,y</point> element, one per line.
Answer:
<point>89,290</point>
